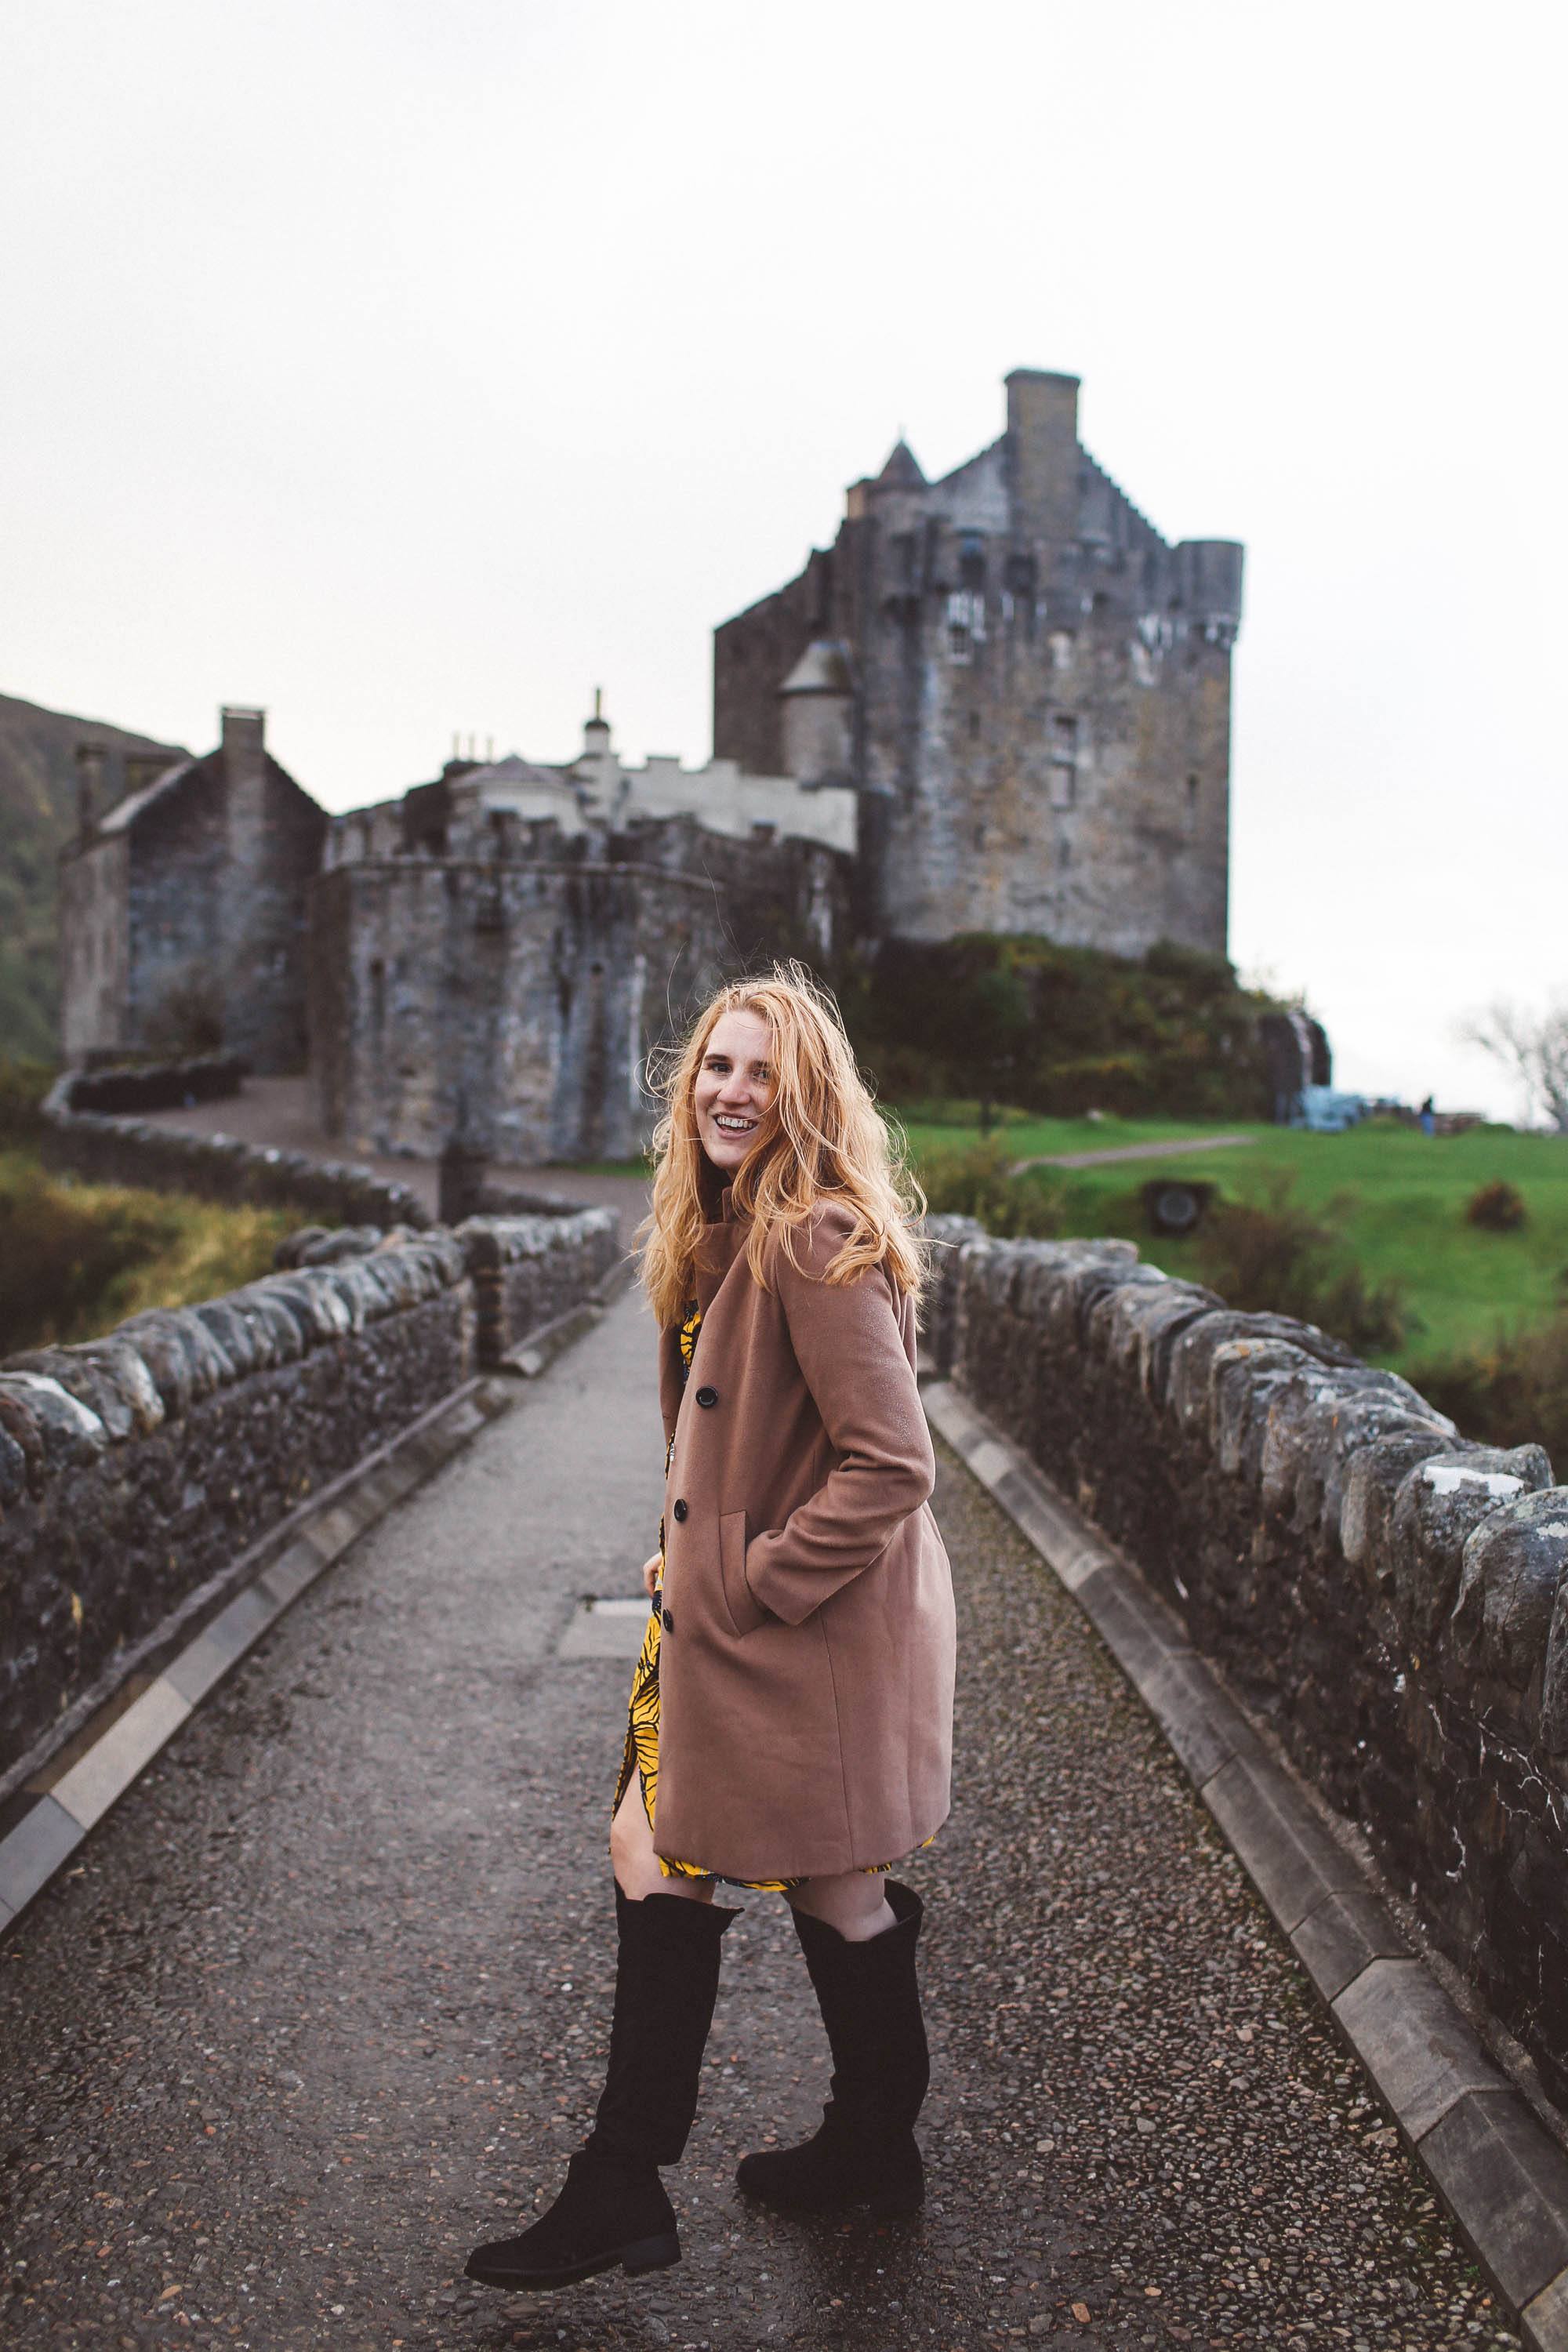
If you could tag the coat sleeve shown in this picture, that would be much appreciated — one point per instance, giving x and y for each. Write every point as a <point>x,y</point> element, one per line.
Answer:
<point>851,1354</point>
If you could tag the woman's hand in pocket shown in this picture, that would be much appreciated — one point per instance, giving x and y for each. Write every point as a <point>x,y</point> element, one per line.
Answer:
<point>650,1573</point>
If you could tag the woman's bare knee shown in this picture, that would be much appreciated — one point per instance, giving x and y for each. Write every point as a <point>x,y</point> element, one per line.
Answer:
<point>852,1901</point>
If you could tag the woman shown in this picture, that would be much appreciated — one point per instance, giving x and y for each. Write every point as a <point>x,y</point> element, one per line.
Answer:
<point>790,1726</point>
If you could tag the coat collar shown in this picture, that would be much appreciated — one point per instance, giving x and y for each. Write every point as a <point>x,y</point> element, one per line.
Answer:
<point>722,1242</point>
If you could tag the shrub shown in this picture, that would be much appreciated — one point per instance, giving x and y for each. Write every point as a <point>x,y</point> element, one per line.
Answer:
<point>978,1183</point>
<point>23,1085</point>
<point>1059,1030</point>
<point>1498,1208</point>
<point>1510,1393</point>
<point>1273,1254</point>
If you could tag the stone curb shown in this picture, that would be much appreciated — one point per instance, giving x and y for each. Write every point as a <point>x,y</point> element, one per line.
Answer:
<point>1500,2173</point>
<point>43,1825</point>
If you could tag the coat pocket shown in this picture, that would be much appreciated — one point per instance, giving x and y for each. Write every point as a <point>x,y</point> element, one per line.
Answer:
<point>744,1612</point>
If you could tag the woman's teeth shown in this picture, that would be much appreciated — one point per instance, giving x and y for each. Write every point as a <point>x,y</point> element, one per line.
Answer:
<point>741,1125</point>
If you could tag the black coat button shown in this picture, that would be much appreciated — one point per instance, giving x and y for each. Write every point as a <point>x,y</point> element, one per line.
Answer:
<point>680,1508</point>
<point>669,1622</point>
<point>707,1396</point>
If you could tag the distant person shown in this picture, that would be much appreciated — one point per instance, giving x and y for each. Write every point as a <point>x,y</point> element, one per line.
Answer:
<point>791,1716</point>
<point>1428,1117</point>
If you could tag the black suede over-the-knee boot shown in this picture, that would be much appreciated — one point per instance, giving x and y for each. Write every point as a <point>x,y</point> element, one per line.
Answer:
<point>865,2151</point>
<point>613,2208</point>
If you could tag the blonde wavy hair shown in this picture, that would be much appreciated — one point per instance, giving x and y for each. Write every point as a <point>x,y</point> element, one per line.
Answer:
<point>823,1139</point>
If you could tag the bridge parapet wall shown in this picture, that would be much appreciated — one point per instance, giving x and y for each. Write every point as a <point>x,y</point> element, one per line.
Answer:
<point>1392,1598</point>
<point>85,1133</point>
<point>137,1471</point>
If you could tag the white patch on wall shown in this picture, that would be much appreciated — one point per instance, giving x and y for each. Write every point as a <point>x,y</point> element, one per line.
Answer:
<point>1443,1479</point>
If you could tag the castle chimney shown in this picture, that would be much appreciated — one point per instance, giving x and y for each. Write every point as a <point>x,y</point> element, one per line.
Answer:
<point>1043,455</point>
<point>244,741</point>
<point>90,759</point>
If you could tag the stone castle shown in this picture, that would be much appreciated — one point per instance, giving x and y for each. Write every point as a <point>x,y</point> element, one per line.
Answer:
<point>1000,701</point>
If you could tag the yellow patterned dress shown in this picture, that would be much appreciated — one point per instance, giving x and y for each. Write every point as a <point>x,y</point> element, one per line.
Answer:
<point>640,1754</point>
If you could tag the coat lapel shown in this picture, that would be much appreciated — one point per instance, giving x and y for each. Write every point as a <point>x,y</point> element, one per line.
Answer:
<point>722,1243</point>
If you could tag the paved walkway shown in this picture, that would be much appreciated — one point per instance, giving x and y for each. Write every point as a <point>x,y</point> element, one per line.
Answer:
<point>327,1997</point>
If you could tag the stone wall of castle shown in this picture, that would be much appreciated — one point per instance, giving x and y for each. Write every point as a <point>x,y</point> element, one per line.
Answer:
<point>513,1000</point>
<point>1039,690</point>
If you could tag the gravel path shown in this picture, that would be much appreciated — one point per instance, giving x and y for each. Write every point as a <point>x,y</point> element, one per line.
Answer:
<point>1173,1150</point>
<point>280,1112</point>
<point>327,1997</point>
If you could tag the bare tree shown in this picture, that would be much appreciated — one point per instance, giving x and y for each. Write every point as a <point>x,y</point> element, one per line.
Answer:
<point>1533,1048</point>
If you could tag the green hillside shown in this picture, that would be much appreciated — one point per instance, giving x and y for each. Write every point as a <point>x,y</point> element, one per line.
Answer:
<point>37,811</point>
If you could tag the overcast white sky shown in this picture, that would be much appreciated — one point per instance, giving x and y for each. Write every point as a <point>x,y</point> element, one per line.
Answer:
<point>417,365</point>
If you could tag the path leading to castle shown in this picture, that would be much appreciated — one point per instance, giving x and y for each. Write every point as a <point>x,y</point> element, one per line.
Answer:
<point>326,1999</point>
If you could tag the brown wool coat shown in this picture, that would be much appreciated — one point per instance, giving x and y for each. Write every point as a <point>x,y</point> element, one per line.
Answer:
<point>806,1656</point>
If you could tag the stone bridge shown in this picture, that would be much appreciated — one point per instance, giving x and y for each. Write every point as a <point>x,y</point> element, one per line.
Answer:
<point>307,1982</point>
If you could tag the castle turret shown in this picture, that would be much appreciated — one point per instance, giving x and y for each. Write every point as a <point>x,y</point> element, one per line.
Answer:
<point>815,715</point>
<point>1208,575</point>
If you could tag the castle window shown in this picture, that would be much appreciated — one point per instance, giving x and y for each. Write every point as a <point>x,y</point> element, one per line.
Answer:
<point>903,555</point>
<point>965,623</point>
<point>1019,575</point>
<point>1064,759</point>
<point>974,723</point>
<point>972,560</point>
<point>1192,801</point>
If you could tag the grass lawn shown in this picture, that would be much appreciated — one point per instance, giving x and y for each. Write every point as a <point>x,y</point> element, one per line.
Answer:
<point>1405,1217</point>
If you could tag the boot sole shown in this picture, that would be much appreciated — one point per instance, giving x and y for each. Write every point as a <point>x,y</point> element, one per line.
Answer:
<point>640,2254</point>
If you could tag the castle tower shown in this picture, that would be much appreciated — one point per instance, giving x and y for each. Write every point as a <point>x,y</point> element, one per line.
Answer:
<point>1035,694</point>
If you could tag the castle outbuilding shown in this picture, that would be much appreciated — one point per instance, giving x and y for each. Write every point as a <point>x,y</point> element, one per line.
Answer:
<point>182,907</point>
<point>1028,687</point>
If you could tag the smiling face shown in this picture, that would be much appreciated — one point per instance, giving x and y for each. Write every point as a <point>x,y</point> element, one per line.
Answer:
<point>735,1089</point>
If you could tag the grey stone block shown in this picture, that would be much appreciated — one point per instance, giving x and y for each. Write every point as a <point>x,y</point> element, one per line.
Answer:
<point>336,1529</point>
<point>1544,2322</point>
<point>199,1668</point>
<point>1289,1856</point>
<point>244,1619</point>
<point>1413,2042</point>
<point>291,1571</point>
<point>1204,1726</point>
<point>1509,1573</point>
<point>1139,1633</point>
<point>97,1778</point>
<point>1344,1934</point>
<point>611,1627</point>
<point>1070,1547</point>
<point>1507,2184</point>
<point>33,1850</point>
